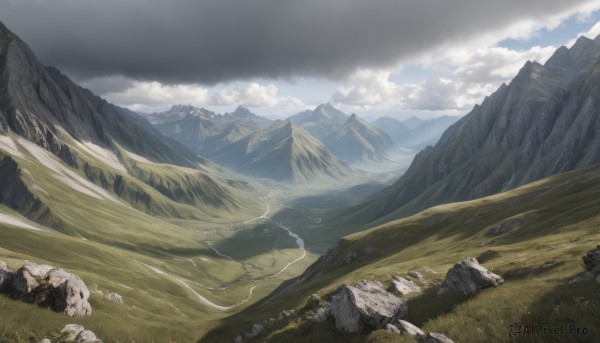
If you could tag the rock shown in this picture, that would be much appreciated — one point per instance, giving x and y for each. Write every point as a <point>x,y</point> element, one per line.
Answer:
<point>238,339</point>
<point>429,270</point>
<point>256,330</point>
<point>323,313</point>
<point>416,275</point>
<point>6,276</point>
<point>391,328</point>
<point>29,276</point>
<point>71,294</point>
<point>433,337</point>
<point>410,329</point>
<point>86,336</point>
<point>351,256</point>
<point>366,306</point>
<point>468,277</point>
<point>583,277</point>
<point>45,340</point>
<point>111,296</point>
<point>403,286</point>
<point>71,331</point>
<point>270,320</point>
<point>592,259</point>
<point>65,292</point>
<point>505,227</point>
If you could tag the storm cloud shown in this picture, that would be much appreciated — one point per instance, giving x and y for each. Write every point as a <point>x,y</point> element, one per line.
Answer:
<point>212,41</point>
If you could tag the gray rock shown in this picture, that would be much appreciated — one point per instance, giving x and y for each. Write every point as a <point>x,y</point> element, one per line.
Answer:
<point>256,330</point>
<point>403,286</point>
<point>71,331</point>
<point>29,277</point>
<point>429,270</point>
<point>366,306</point>
<point>66,292</point>
<point>416,275</point>
<point>111,296</point>
<point>434,337</point>
<point>410,329</point>
<point>350,256</point>
<point>583,277</point>
<point>505,227</point>
<point>468,276</point>
<point>391,328</point>
<point>592,259</point>
<point>71,293</point>
<point>45,340</point>
<point>238,339</point>
<point>86,336</point>
<point>323,313</point>
<point>6,276</point>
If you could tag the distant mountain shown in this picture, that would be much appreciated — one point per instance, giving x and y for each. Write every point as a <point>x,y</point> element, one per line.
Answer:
<point>429,132</point>
<point>421,132</point>
<point>357,141</point>
<point>413,122</point>
<point>546,121</point>
<point>321,121</point>
<point>394,128</point>
<point>200,129</point>
<point>283,152</point>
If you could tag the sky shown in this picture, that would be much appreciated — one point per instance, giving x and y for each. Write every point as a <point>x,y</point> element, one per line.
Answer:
<point>396,58</point>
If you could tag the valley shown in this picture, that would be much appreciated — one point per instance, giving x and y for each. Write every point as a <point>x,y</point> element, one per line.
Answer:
<point>448,194</point>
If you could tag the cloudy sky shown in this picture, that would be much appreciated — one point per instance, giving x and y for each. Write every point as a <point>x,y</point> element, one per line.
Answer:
<point>278,57</point>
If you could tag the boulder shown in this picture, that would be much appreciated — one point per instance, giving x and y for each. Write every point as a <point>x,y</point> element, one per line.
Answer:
<point>29,277</point>
<point>256,330</point>
<point>592,259</point>
<point>350,256</point>
<point>469,277</point>
<point>433,337</point>
<point>6,276</point>
<point>70,331</point>
<point>86,336</point>
<point>64,292</point>
<point>416,275</point>
<point>111,296</point>
<point>323,313</point>
<point>366,306</point>
<point>45,340</point>
<point>410,329</point>
<point>403,286</point>
<point>238,339</point>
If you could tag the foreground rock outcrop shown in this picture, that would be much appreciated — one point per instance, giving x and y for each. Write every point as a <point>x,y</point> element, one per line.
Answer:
<point>592,265</point>
<point>77,333</point>
<point>403,286</point>
<point>366,306</point>
<point>48,286</point>
<point>468,277</point>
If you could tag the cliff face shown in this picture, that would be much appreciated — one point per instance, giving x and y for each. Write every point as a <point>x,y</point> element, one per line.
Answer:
<point>543,123</point>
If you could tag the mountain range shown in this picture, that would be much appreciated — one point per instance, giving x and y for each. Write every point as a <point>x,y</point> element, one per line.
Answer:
<point>282,152</point>
<point>542,123</point>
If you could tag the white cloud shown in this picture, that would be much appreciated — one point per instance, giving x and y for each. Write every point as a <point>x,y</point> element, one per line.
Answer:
<point>250,94</point>
<point>155,93</point>
<point>592,33</point>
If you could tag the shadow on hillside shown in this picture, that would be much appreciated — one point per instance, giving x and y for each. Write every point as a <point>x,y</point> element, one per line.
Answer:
<point>567,307</point>
<point>429,305</point>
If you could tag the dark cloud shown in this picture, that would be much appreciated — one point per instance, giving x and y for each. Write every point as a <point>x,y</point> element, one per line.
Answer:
<point>210,41</point>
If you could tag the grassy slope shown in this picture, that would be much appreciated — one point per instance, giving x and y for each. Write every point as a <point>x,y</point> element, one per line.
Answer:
<point>560,221</point>
<point>106,242</point>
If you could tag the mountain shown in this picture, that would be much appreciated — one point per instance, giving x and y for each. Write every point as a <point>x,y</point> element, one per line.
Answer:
<point>533,237</point>
<point>394,128</point>
<point>321,121</point>
<point>429,132</point>
<point>357,141</point>
<point>544,122</point>
<point>413,122</point>
<point>283,152</point>
<point>94,149</point>
<point>202,130</point>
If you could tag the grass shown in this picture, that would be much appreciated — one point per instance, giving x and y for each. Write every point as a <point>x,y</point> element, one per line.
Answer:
<point>559,222</point>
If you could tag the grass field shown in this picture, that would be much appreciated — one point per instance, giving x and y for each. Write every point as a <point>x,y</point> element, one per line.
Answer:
<point>559,222</point>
